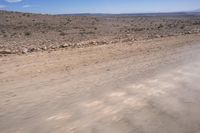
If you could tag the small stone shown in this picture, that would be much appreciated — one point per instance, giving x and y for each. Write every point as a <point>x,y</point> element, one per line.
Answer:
<point>32,50</point>
<point>93,43</point>
<point>65,45</point>
<point>44,48</point>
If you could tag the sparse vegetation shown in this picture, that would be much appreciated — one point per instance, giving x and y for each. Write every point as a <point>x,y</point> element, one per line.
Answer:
<point>182,27</point>
<point>4,35</point>
<point>160,26</point>
<point>49,30</point>
<point>27,33</point>
<point>62,33</point>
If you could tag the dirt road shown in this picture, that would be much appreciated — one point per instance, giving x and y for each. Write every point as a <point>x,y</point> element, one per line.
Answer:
<point>146,87</point>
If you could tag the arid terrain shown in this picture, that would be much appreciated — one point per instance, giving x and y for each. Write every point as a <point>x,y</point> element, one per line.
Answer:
<point>26,33</point>
<point>103,74</point>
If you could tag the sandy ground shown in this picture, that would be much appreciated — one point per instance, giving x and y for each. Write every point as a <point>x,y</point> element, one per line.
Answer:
<point>145,87</point>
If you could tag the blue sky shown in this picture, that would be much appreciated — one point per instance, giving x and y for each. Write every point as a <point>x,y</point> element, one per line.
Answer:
<point>99,6</point>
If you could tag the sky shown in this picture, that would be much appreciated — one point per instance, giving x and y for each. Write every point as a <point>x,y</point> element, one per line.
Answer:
<point>98,6</point>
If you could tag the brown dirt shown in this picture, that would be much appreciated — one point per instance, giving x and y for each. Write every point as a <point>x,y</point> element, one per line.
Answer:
<point>139,87</point>
<point>105,74</point>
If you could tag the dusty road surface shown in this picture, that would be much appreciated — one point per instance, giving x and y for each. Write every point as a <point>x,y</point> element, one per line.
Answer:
<point>147,87</point>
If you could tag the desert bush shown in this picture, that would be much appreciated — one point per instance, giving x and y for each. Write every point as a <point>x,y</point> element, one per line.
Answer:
<point>25,14</point>
<point>27,33</point>
<point>160,26</point>
<point>62,33</point>
<point>196,23</point>
<point>3,31</point>
<point>13,34</point>
<point>85,33</point>
<point>4,35</point>
<point>66,23</point>
<point>68,20</point>
<point>182,27</point>
<point>138,29</point>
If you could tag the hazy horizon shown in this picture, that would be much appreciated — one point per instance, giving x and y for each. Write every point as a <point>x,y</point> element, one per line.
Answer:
<point>96,6</point>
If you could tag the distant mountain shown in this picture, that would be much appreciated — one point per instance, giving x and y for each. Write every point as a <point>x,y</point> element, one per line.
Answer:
<point>197,10</point>
<point>137,14</point>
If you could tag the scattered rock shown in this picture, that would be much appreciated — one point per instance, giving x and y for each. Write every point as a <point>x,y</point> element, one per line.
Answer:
<point>56,32</point>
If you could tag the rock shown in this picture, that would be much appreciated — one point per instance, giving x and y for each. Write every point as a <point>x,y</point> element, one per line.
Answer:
<point>32,49</point>
<point>127,40</point>
<point>65,45</point>
<point>158,36</point>
<point>53,47</point>
<point>114,41</point>
<point>7,51</point>
<point>188,32</point>
<point>44,48</point>
<point>104,42</point>
<point>93,43</point>
<point>24,51</point>
<point>79,44</point>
